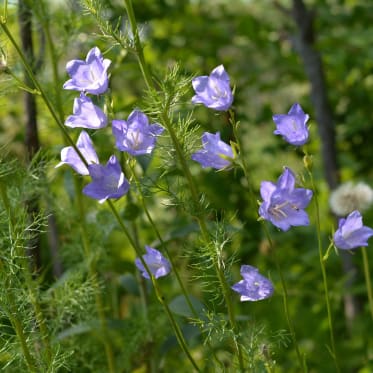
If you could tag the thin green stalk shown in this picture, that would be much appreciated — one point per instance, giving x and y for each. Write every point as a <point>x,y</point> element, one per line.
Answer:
<point>155,229</point>
<point>93,274</point>
<point>169,256</point>
<point>367,278</point>
<point>30,282</point>
<point>323,269</point>
<point>192,186</point>
<point>157,289</point>
<point>301,359</point>
<point>21,336</point>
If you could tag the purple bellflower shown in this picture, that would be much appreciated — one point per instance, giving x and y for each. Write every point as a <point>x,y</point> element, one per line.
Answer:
<point>86,114</point>
<point>70,156</point>
<point>88,76</point>
<point>107,181</point>
<point>136,136</point>
<point>215,153</point>
<point>351,233</point>
<point>254,286</point>
<point>213,91</point>
<point>292,126</point>
<point>283,204</point>
<point>158,265</point>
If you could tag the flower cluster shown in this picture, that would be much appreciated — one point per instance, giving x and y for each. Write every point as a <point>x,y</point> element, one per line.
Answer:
<point>134,136</point>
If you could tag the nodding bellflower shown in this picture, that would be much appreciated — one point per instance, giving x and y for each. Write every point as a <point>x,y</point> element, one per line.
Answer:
<point>283,204</point>
<point>158,265</point>
<point>254,286</point>
<point>213,91</point>
<point>107,181</point>
<point>70,156</point>
<point>351,233</point>
<point>86,114</point>
<point>292,126</point>
<point>215,153</point>
<point>136,136</point>
<point>89,76</point>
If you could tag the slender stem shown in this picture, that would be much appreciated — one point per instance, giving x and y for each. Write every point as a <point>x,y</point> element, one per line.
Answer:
<point>21,336</point>
<point>157,289</point>
<point>367,278</point>
<point>323,270</point>
<point>93,274</point>
<point>30,282</point>
<point>164,246</point>
<point>301,359</point>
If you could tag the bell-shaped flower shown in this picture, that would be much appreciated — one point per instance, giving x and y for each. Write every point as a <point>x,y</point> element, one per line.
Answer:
<point>107,181</point>
<point>70,156</point>
<point>215,153</point>
<point>351,232</point>
<point>283,204</point>
<point>292,126</point>
<point>157,264</point>
<point>214,90</point>
<point>135,135</point>
<point>254,286</point>
<point>86,114</point>
<point>89,76</point>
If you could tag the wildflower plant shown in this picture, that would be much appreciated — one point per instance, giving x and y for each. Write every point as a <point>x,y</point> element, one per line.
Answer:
<point>148,259</point>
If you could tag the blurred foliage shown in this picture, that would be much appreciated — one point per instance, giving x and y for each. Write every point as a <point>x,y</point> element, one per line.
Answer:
<point>253,39</point>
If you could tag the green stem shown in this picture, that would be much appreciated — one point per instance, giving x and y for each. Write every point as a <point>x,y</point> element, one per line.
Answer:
<point>30,282</point>
<point>93,274</point>
<point>323,271</point>
<point>21,336</point>
<point>367,278</point>
<point>301,359</point>
<point>157,289</point>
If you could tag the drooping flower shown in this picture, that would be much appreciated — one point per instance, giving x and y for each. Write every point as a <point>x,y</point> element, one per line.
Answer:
<point>136,136</point>
<point>292,126</point>
<point>215,153</point>
<point>349,197</point>
<point>351,233</point>
<point>254,286</point>
<point>86,114</point>
<point>158,265</point>
<point>213,91</point>
<point>107,181</point>
<point>88,76</point>
<point>283,204</point>
<point>70,156</point>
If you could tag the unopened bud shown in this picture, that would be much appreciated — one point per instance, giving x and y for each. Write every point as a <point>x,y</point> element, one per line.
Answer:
<point>308,162</point>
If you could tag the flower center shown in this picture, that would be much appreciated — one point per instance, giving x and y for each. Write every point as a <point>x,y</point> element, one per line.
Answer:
<point>218,93</point>
<point>278,209</point>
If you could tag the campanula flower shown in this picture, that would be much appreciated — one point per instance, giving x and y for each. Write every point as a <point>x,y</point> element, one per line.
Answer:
<point>70,156</point>
<point>158,265</point>
<point>254,286</point>
<point>292,126</point>
<point>213,91</point>
<point>215,153</point>
<point>283,204</point>
<point>107,181</point>
<point>136,136</point>
<point>351,233</point>
<point>89,76</point>
<point>86,114</point>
